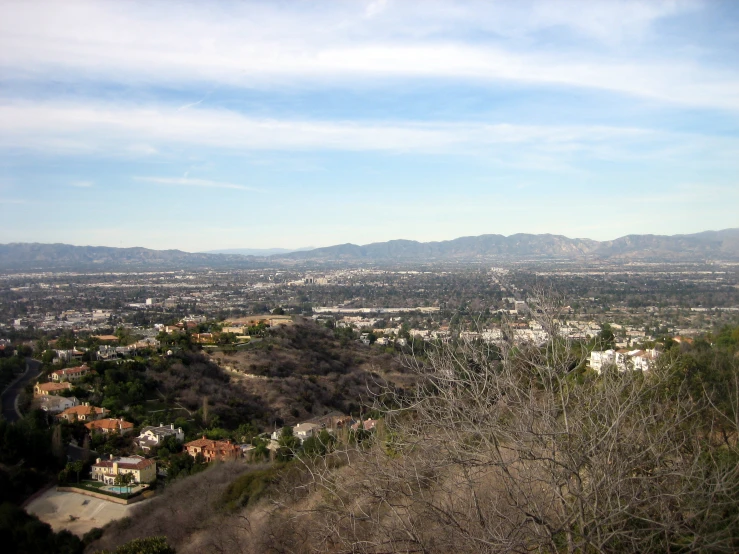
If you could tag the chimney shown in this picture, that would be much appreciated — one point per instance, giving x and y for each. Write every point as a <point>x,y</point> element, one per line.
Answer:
<point>161,424</point>
<point>98,460</point>
<point>115,468</point>
<point>171,426</point>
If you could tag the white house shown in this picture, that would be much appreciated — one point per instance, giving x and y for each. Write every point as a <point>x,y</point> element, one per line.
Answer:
<point>306,430</point>
<point>153,436</point>
<point>623,359</point>
<point>57,404</point>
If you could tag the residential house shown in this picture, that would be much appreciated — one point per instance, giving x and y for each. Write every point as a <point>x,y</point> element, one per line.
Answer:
<point>109,426</point>
<point>306,430</point>
<point>213,450</point>
<point>63,356</point>
<point>235,329</point>
<point>147,342</point>
<point>55,404</point>
<point>70,374</point>
<point>107,352</point>
<point>623,359</point>
<point>644,359</point>
<point>142,469</point>
<point>83,412</point>
<point>153,436</point>
<point>601,358</point>
<point>43,389</point>
<point>367,424</point>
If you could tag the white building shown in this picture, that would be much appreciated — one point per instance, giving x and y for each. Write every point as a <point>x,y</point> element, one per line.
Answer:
<point>623,359</point>
<point>154,436</point>
<point>306,430</point>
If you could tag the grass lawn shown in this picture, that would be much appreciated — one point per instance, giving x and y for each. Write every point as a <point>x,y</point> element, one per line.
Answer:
<point>93,484</point>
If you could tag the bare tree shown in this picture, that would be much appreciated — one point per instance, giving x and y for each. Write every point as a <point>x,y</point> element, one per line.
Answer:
<point>511,448</point>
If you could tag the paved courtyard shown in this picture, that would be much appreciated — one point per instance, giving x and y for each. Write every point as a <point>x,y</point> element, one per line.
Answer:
<point>55,508</point>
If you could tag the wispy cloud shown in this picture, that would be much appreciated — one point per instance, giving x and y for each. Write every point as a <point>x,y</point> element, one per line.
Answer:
<point>50,127</point>
<point>260,45</point>
<point>82,184</point>
<point>187,182</point>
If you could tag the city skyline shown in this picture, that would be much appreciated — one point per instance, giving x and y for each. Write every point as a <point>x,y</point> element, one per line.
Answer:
<point>257,125</point>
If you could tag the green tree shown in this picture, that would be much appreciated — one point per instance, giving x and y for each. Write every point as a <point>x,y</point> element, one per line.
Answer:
<point>77,467</point>
<point>149,545</point>
<point>606,337</point>
<point>289,444</point>
<point>124,480</point>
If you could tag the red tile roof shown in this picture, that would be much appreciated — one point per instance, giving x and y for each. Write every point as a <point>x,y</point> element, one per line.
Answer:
<point>50,387</point>
<point>111,424</point>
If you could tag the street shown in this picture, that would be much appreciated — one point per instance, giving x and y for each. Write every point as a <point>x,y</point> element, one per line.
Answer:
<point>33,370</point>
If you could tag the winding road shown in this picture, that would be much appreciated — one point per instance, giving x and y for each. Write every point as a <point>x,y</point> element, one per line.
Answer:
<point>10,396</point>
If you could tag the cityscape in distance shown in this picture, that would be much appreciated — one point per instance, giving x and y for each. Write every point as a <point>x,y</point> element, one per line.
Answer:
<point>369,277</point>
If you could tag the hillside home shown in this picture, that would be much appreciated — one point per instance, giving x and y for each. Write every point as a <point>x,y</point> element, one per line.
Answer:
<point>213,450</point>
<point>85,412</point>
<point>63,356</point>
<point>306,430</point>
<point>153,436</point>
<point>71,374</point>
<point>367,424</point>
<point>42,389</point>
<point>142,469</point>
<point>56,404</point>
<point>623,359</point>
<point>110,426</point>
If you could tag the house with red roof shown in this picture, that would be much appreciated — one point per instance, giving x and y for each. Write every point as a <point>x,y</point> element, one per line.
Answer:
<point>71,374</point>
<point>42,389</point>
<point>84,412</point>
<point>109,426</point>
<point>213,450</point>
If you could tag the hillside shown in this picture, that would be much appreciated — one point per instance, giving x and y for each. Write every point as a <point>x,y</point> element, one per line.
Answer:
<point>293,374</point>
<point>490,456</point>
<point>303,371</point>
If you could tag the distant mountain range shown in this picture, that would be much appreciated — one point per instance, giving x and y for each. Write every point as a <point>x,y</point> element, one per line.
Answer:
<point>706,246</point>
<point>258,251</point>
<point>709,245</point>
<point>40,257</point>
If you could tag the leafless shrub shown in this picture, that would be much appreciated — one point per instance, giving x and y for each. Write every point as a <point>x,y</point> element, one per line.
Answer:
<point>507,450</point>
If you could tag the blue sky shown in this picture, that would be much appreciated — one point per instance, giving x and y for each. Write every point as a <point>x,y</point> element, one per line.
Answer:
<point>287,124</point>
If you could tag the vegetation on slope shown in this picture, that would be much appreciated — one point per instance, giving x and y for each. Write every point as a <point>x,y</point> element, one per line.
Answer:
<point>504,450</point>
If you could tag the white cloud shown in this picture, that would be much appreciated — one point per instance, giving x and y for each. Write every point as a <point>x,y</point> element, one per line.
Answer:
<point>62,128</point>
<point>255,44</point>
<point>187,182</point>
<point>82,184</point>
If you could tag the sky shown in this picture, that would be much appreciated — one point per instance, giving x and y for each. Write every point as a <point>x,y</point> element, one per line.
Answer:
<point>213,125</point>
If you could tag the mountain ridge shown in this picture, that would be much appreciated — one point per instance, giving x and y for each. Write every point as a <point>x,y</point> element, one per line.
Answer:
<point>717,245</point>
<point>722,245</point>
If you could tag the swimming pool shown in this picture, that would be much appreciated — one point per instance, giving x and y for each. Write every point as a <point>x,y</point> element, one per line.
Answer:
<point>118,490</point>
